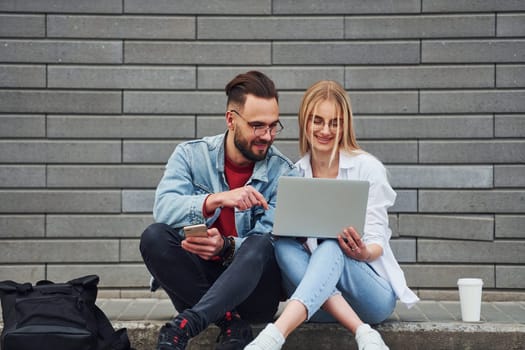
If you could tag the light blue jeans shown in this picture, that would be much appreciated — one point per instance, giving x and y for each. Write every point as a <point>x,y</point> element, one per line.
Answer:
<point>313,278</point>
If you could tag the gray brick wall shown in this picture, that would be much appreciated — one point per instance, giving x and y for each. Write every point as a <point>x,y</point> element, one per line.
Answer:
<point>94,96</point>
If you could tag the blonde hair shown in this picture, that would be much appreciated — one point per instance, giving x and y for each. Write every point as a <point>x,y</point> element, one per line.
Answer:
<point>327,90</point>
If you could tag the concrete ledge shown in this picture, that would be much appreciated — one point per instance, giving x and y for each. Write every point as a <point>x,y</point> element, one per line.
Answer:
<point>397,335</point>
<point>429,325</point>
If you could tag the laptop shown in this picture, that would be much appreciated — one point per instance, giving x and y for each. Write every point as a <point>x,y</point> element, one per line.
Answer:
<point>315,207</point>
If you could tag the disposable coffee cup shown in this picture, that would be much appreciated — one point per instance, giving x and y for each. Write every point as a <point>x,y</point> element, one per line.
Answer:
<point>470,298</point>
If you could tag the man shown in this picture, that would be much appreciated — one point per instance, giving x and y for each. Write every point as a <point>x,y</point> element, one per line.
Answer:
<point>229,182</point>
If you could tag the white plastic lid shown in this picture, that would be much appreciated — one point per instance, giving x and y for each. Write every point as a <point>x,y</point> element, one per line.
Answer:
<point>470,281</point>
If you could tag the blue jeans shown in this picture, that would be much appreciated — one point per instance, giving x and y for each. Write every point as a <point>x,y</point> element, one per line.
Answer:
<point>313,278</point>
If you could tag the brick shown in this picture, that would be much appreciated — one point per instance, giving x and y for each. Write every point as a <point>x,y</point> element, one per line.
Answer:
<point>467,227</point>
<point>407,176</point>
<point>489,201</point>
<point>363,102</point>
<point>511,24</point>
<point>290,131</point>
<point>493,151</point>
<point>57,6</point>
<point>512,76</point>
<point>404,249</point>
<point>509,176</point>
<point>270,28</point>
<point>103,176</point>
<point>510,226</point>
<point>147,151</point>
<point>22,176</point>
<point>59,201</point>
<point>200,7</point>
<point>111,275</point>
<point>471,6</point>
<point>129,251</point>
<point>58,251</point>
<point>406,201</point>
<point>343,52</point>
<point>183,102</point>
<point>424,126</point>
<point>129,127</point>
<point>137,201</point>
<point>344,7</point>
<point>475,101</point>
<point>447,275</point>
<point>288,148</point>
<point>22,125</point>
<point>393,224</point>
<point>22,25</point>
<point>121,27</point>
<point>22,226</point>
<point>60,51</point>
<point>285,78</point>
<point>22,273</point>
<point>509,125</point>
<point>124,77</point>
<point>181,52</point>
<point>392,151</point>
<point>60,101</point>
<point>214,125</point>
<point>43,151</point>
<point>473,51</point>
<point>419,26</point>
<point>510,277</point>
<point>13,76</point>
<point>470,251</point>
<point>419,77</point>
<point>103,226</point>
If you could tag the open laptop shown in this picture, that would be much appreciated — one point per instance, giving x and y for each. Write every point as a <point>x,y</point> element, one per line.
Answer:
<point>315,207</point>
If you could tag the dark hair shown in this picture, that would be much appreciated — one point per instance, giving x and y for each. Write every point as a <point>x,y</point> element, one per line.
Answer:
<point>252,82</point>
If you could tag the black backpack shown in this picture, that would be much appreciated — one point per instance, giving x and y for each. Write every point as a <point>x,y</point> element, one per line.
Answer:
<point>57,316</point>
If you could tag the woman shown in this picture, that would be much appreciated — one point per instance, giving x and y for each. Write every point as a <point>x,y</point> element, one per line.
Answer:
<point>355,279</point>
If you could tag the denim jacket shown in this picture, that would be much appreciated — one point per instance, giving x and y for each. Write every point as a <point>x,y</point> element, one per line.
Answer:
<point>196,169</point>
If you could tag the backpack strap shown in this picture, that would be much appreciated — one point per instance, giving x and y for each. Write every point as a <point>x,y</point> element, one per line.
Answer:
<point>117,341</point>
<point>113,340</point>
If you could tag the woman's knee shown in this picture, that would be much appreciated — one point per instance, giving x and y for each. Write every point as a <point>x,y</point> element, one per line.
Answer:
<point>284,248</point>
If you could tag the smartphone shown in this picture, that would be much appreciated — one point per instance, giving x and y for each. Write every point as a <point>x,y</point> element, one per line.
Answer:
<point>199,230</point>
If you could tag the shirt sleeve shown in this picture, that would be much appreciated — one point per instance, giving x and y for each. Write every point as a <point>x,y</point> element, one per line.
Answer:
<point>381,197</point>
<point>176,202</point>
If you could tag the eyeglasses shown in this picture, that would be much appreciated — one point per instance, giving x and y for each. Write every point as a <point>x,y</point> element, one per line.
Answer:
<point>261,129</point>
<point>334,125</point>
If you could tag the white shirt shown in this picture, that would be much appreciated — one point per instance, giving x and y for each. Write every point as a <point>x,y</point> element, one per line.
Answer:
<point>363,166</point>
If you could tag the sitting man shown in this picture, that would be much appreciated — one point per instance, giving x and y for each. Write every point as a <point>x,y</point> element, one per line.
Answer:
<point>229,182</point>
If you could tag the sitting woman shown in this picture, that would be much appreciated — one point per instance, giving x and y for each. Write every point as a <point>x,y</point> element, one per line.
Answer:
<point>354,280</point>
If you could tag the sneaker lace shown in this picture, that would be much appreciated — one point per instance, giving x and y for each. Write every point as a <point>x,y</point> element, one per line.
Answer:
<point>173,336</point>
<point>233,329</point>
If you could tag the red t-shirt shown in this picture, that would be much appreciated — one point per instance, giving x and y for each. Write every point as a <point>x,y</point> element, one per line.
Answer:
<point>236,176</point>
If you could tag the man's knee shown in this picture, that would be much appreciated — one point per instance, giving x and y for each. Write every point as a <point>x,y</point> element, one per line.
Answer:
<point>153,236</point>
<point>258,247</point>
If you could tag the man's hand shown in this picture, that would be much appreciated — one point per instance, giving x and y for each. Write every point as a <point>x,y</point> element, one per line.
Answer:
<point>241,198</point>
<point>204,247</point>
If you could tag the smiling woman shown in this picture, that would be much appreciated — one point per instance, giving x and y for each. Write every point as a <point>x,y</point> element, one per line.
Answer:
<point>353,279</point>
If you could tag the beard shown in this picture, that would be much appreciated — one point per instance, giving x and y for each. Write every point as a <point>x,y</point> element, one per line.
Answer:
<point>245,148</point>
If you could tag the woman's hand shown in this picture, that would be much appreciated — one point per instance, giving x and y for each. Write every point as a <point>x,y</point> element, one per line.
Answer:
<point>352,245</point>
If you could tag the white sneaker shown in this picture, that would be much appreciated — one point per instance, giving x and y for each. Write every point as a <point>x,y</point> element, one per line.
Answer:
<point>369,339</point>
<point>270,338</point>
